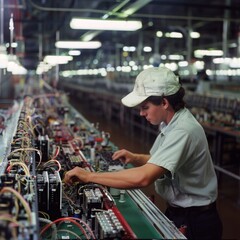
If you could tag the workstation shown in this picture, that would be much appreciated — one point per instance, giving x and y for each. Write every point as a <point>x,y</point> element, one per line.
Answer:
<point>62,107</point>
<point>59,133</point>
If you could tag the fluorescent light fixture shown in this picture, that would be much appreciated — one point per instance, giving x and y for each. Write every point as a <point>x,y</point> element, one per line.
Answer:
<point>135,68</point>
<point>215,53</point>
<point>221,60</point>
<point>199,65</point>
<point>195,35</point>
<point>19,70</point>
<point>183,64</point>
<point>175,57</point>
<point>74,52</point>
<point>78,44</point>
<point>227,72</point>
<point>129,48</point>
<point>235,63</point>
<point>56,59</point>
<point>147,49</point>
<point>173,35</point>
<point>163,57</point>
<point>102,24</point>
<point>231,62</point>
<point>43,67</point>
<point>132,63</point>
<point>159,34</point>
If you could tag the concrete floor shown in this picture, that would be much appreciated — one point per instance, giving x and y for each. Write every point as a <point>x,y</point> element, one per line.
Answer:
<point>228,202</point>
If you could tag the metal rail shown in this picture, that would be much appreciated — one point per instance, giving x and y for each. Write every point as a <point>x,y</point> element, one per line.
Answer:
<point>160,222</point>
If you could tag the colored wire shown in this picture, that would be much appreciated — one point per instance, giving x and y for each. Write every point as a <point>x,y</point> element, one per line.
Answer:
<point>49,163</point>
<point>73,220</point>
<point>22,138</point>
<point>57,151</point>
<point>22,164</point>
<point>20,198</point>
<point>45,215</point>
<point>28,149</point>
<point>69,199</point>
<point>10,219</point>
<point>54,227</point>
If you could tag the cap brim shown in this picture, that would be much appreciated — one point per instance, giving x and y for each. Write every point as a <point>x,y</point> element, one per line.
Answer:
<point>132,100</point>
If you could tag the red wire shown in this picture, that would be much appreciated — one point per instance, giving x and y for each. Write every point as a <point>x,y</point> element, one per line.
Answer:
<point>64,219</point>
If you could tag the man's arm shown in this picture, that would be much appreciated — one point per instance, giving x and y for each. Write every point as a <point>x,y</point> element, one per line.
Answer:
<point>127,179</point>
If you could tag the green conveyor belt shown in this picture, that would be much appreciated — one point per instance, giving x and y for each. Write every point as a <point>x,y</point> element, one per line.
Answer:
<point>136,219</point>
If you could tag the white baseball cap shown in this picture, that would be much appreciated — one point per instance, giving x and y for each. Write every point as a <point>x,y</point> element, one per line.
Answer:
<point>154,81</point>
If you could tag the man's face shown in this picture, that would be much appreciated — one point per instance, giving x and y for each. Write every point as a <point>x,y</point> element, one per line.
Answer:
<point>155,114</point>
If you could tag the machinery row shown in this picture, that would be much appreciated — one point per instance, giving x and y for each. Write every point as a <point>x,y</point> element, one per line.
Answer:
<point>41,138</point>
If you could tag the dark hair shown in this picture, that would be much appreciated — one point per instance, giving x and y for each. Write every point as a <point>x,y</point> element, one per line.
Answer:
<point>175,100</point>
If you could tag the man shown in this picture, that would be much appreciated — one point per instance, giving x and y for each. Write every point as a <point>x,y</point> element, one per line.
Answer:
<point>179,161</point>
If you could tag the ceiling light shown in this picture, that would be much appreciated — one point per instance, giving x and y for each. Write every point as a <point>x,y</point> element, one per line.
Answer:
<point>173,35</point>
<point>147,49</point>
<point>235,63</point>
<point>221,60</point>
<point>129,49</point>
<point>175,57</point>
<point>199,65</point>
<point>183,64</point>
<point>56,59</point>
<point>74,52</point>
<point>195,35</point>
<point>43,67</point>
<point>159,34</point>
<point>102,24</point>
<point>19,70</point>
<point>78,44</point>
<point>200,53</point>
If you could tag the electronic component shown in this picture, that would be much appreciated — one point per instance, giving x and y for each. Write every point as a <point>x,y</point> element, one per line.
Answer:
<point>43,191</point>
<point>42,143</point>
<point>55,193</point>
<point>92,199</point>
<point>108,226</point>
<point>107,164</point>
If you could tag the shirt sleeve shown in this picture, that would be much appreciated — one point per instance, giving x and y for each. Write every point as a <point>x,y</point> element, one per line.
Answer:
<point>172,151</point>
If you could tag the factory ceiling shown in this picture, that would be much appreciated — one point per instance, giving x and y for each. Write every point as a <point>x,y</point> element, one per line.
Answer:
<point>39,23</point>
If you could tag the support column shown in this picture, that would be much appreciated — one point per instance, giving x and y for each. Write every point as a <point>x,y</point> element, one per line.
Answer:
<point>226,23</point>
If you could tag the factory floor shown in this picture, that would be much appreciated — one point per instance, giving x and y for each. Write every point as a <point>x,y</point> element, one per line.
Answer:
<point>228,202</point>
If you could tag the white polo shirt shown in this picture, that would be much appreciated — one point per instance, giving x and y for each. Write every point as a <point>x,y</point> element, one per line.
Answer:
<point>182,148</point>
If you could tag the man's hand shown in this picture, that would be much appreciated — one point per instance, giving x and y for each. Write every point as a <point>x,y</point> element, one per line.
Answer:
<point>124,156</point>
<point>77,174</point>
<point>128,157</point>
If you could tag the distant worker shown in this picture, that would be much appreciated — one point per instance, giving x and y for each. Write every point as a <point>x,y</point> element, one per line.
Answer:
<point>203,81</point>
<point>179,161</point>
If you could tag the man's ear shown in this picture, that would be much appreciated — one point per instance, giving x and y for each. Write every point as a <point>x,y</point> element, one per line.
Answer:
<point>165,103</point>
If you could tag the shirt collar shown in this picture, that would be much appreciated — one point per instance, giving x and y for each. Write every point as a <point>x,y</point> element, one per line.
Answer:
<point>164,128</point>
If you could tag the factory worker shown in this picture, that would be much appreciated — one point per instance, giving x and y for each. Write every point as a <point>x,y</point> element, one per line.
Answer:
<point>179,161</point>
